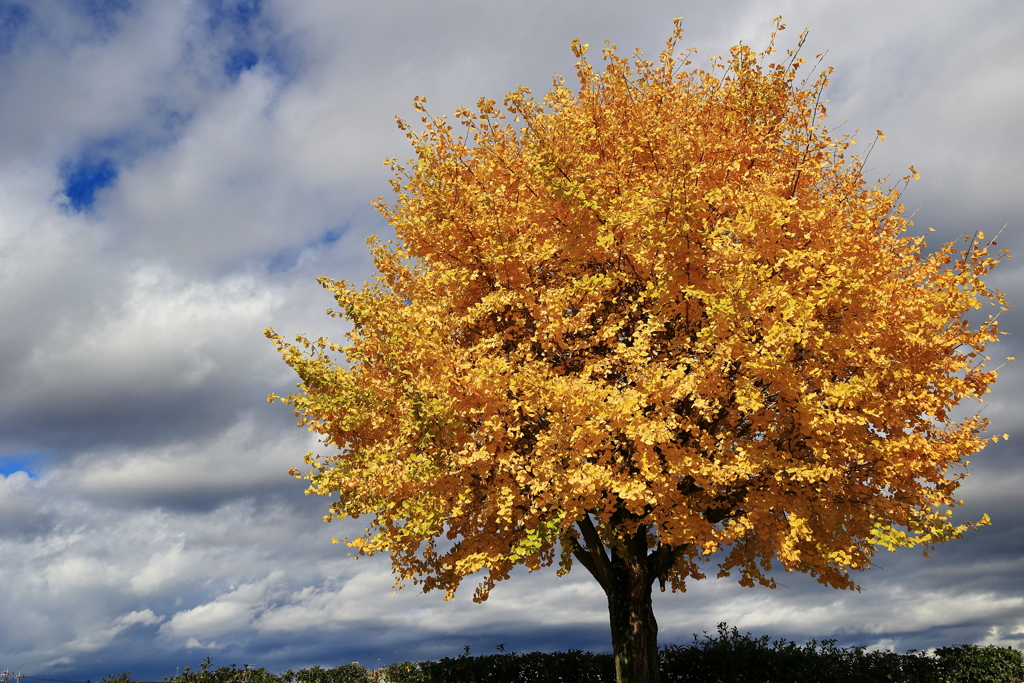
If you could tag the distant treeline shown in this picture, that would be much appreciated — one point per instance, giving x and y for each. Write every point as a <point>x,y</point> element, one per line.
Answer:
<point>727,657</point>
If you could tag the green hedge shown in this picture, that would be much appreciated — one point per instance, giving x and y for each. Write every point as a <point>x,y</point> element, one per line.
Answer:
<point>725,657</point>
<point>729,657</point>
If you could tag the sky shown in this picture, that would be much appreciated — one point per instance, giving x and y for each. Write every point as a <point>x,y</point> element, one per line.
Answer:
<point>174,176</point>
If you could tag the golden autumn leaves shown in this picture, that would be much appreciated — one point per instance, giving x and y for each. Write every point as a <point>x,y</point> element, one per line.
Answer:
<point>666,299</point>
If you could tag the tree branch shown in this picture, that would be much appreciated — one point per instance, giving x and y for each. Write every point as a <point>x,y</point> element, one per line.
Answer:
<point>592,555</point>
<point>660,562</point>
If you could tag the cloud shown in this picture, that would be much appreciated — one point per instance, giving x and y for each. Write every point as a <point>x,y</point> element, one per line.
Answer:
<point>228,613</point>
<point>163,567</point>
<point>144,339</point>
<point>20,517</point>
<point>243,458</point>
<point>96,640</point>
<point>193,643</point>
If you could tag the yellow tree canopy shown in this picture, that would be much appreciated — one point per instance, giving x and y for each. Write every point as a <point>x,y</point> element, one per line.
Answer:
<point>665,303</point>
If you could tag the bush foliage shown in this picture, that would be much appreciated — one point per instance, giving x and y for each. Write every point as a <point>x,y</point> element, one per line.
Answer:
<point>725,657</point>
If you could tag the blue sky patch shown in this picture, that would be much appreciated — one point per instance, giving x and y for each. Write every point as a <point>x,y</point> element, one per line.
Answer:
<point>83,179</point>
<point>236,13</point>
<point>239,61</point>
<point>284,260</point>
<point>13,16</point>
<point>21,462</point>
<point>329,237</point>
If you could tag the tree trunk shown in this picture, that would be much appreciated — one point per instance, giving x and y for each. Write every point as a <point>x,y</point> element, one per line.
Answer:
<point>627,576</point>
<point>634,630</point>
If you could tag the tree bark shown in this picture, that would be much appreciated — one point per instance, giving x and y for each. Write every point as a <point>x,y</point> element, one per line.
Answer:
<point>627,574</point>
<point>634,629</point>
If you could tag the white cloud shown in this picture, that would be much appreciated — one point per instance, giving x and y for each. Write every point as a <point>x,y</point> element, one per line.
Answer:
<point>1011,635</point>
<point>14,482</point>
<point>97,639</point>
<point>243,458</point>
<point>145,617</point>
<point>164,335</point>
<point>163,568</point>
<point>230,612</point>
<point>58,662</point>
<point>73,573</point>
<point>193,643</point>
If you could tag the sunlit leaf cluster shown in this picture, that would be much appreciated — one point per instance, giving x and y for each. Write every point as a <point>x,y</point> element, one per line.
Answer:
<point>665,297</point>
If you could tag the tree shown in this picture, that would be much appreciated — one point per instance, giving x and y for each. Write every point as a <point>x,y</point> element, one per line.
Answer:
<point>648,324</point>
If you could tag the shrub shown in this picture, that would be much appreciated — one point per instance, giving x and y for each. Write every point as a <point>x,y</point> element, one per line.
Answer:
<point>974,664</point>
<point>349,673</point>
<point>511,667</point>
<point>725,657</point>
<point>223,674</point>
